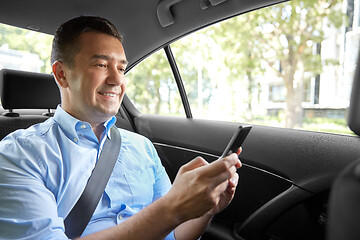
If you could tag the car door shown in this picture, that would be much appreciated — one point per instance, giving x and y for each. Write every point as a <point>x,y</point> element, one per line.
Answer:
<point>287,173</point>
<point>285,178</point>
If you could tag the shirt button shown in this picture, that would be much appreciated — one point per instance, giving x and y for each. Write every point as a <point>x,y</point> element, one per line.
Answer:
<point>83,126</point>
<point>75,139</point>
<point>120,217</point>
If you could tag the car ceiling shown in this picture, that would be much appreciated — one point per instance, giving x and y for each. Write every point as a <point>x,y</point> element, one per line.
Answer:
<point>137,20</point>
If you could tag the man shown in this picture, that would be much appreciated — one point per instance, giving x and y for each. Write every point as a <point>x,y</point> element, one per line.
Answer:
<point>44,169</point>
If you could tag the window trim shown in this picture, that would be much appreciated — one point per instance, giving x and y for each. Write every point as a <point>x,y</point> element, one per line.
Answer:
<point>178,81</point>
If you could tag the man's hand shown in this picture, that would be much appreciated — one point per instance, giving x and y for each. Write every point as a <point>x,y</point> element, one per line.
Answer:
<point>202,188</point>
<point>226,192</point>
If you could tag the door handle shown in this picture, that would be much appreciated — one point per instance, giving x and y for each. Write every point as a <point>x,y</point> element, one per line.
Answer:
<point>216,2</point>
<point>204,4</point>
<point>165,16</point>
<point>163,12</point>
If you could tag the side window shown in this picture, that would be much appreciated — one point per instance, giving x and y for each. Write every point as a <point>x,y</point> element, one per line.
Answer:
<point>23,49</point>
<point>288,65</point>
<point>152,88</point>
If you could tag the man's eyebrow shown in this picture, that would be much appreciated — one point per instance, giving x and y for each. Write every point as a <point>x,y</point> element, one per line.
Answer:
<point>106,57</point>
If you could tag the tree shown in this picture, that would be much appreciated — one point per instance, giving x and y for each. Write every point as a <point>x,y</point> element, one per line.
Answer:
<point>282,39</point>
<point>240,40</point>
<point>198,67</point>
<point>152,88</point>
<point>297,29</point>
<point>285,36</point>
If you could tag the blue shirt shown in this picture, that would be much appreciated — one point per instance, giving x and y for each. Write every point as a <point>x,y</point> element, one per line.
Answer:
<point>45,168</point>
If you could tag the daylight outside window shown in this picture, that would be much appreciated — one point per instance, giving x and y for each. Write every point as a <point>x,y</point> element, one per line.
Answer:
<point>23,49</point>
<point>26,50</point>
<point>152,88</point>
<point>289,65</point>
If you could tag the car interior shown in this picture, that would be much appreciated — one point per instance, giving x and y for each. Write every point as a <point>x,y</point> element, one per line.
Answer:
<point>287,174</point>
<point>344,197</point>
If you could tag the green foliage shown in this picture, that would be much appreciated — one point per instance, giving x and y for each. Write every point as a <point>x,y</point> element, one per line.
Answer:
<point>336,126</point>
<point>151,86</point>
<point>228,62</point>
<point>28,41</point>
<point>223,66</point>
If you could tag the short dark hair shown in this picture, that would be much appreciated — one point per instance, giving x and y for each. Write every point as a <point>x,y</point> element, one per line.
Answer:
<point>65,45</point>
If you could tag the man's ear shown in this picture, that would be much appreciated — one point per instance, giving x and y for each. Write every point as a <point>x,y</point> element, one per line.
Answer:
<point>58,69</point>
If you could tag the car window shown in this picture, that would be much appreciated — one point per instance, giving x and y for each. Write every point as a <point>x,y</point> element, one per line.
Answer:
<point>289,65</point>
<point>23,49</point>
<point>152,88</point>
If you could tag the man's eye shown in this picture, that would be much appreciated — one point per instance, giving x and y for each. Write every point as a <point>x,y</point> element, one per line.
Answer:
<point>101,65</point>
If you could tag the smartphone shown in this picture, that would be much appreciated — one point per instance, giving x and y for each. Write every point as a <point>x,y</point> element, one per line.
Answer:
<point>236,141</point>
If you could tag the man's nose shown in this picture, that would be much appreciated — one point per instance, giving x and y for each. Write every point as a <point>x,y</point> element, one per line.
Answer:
<point>116,77</point>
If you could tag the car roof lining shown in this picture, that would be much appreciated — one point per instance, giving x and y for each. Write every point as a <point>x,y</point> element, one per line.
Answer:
<point>142,31</point>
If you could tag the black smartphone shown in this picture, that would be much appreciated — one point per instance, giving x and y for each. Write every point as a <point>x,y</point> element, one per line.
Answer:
<point>236,141</point>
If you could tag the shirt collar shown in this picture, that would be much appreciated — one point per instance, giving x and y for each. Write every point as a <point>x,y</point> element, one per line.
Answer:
<point>71,125</point>
<point>108,124</point>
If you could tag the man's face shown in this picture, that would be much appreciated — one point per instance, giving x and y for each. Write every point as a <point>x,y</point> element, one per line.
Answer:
<point>96,83</point>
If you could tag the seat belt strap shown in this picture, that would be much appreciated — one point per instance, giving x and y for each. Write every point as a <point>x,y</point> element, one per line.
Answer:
<point>78,218</point>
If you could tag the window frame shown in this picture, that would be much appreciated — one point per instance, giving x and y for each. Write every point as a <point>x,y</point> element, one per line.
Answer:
<point>178,80</point>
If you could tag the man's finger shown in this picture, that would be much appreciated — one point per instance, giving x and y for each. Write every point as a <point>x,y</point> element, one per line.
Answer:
<point>239,151</point>
<point>224,176</point>
<point>193,164</point>
<point>233,181</point>
<point>220,170</point>
<point>220,166</point>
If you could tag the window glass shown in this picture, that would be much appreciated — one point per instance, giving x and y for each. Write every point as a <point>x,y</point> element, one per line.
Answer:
<point>23,49</point>
<point>288,65</point>
<point>152,88</point>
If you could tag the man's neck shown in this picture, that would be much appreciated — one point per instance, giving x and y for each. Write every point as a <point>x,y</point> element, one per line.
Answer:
<point>98,130</point>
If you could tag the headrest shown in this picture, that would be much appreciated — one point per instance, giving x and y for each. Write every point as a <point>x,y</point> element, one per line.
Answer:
<point>28,90</point>
<point>354,109</point>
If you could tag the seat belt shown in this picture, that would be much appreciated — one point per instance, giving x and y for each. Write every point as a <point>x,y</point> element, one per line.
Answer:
<point>78,218</point>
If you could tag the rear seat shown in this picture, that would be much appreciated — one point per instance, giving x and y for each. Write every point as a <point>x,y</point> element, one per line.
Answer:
<point>23,94</point>
<point>21,90</point>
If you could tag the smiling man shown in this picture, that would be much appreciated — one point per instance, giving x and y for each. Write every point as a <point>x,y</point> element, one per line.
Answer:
<point>44,169</point>
<point>93,83</point>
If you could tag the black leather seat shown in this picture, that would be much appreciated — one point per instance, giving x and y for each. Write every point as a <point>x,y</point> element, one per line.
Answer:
<point>344,205</point>
<point>26,90</point>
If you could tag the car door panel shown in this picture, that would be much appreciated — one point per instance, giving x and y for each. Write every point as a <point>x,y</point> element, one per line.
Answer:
<point>308,159</point>
<point>284,171</point>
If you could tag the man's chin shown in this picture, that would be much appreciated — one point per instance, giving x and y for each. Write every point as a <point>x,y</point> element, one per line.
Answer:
<point>106,111</point>
<point>111,112</point>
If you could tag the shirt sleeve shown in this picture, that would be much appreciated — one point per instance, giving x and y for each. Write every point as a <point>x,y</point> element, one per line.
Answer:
<point>162,182</point>
<point>28,210</point>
